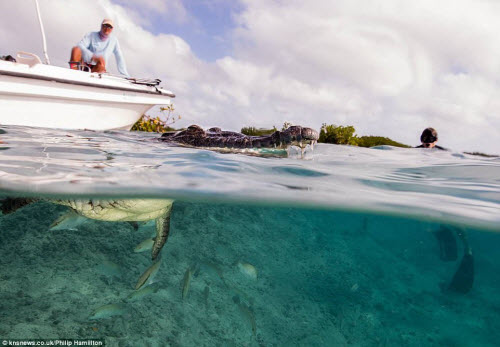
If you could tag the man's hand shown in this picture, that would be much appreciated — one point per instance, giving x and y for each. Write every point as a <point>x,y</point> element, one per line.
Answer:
<point>100,65</point>
<point>98,60</point>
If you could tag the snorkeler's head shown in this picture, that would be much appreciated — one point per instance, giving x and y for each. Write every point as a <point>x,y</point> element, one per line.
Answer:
<point>429,136</point>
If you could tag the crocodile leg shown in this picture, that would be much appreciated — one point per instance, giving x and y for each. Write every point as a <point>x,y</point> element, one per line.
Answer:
<point>162,231</point>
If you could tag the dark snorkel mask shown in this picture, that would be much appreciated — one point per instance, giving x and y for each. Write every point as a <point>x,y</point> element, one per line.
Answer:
<point>428,138</point>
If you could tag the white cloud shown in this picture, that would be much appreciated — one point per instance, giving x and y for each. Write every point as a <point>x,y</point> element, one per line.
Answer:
<point>387,67</point>
<point>170,10</point>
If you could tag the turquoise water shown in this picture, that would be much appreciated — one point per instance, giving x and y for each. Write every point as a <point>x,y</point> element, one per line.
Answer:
<point>336,248</point>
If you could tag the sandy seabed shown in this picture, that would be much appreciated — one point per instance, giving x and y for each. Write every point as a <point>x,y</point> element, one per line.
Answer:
<point>322,278</point>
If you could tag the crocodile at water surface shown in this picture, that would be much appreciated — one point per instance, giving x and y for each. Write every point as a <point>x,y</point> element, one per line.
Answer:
<point>195,136</point>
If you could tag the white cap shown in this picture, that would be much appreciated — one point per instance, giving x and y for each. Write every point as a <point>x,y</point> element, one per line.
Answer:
<point>108,21</point>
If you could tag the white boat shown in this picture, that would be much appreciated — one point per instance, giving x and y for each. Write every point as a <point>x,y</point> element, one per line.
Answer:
<point>41,95</point>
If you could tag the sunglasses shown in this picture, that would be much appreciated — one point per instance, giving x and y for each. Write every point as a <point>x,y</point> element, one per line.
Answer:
<point>108,26</point>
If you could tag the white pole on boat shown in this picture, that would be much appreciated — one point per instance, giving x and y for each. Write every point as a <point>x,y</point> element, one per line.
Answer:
<point>43,34</point>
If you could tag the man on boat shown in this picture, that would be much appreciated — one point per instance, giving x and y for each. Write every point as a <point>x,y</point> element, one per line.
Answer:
<point>95,49</point>
<point>429,138</point>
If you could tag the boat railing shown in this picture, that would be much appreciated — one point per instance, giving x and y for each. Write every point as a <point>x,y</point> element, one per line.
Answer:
<point>27,58</point>
<point>84,68</point>
<point>145,81</point>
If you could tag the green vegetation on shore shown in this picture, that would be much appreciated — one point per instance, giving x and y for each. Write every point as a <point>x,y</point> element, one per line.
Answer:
<point>151,125</point>
<point>252,131</point>
<point>371,141</point>
<point>338,135</point>
<point>346,135</point>
<point>157,124</point>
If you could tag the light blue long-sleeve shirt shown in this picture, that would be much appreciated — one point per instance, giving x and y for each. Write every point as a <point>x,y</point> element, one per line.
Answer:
<point>92,45</point>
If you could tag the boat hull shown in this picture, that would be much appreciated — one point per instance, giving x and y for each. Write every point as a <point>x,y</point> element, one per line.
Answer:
<point>60,113</point>
<point>53,97</point>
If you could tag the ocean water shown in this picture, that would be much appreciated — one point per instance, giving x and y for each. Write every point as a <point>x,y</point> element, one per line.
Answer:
<point>341,246</point>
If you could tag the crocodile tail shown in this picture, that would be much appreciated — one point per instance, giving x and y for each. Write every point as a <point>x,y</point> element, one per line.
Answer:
<point>9,205</point>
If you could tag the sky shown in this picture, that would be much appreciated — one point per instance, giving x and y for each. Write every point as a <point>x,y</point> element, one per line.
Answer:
<point>387,67</point>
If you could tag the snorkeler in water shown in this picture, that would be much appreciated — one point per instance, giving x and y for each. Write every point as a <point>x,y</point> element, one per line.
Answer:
<point>448,250</point>
<point>429,138</point>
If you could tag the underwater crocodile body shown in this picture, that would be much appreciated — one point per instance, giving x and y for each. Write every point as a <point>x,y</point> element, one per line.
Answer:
<point>195,136</point>
<point>123,210</point>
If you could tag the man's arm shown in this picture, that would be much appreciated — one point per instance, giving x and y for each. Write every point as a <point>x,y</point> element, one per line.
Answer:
<point>84,45</point>
<point>120,61</point>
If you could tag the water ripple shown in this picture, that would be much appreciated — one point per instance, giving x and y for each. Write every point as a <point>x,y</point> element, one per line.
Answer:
<point>426,183</point>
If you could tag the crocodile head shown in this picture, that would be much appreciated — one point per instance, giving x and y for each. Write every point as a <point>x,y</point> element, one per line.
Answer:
<point>295,136</point>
